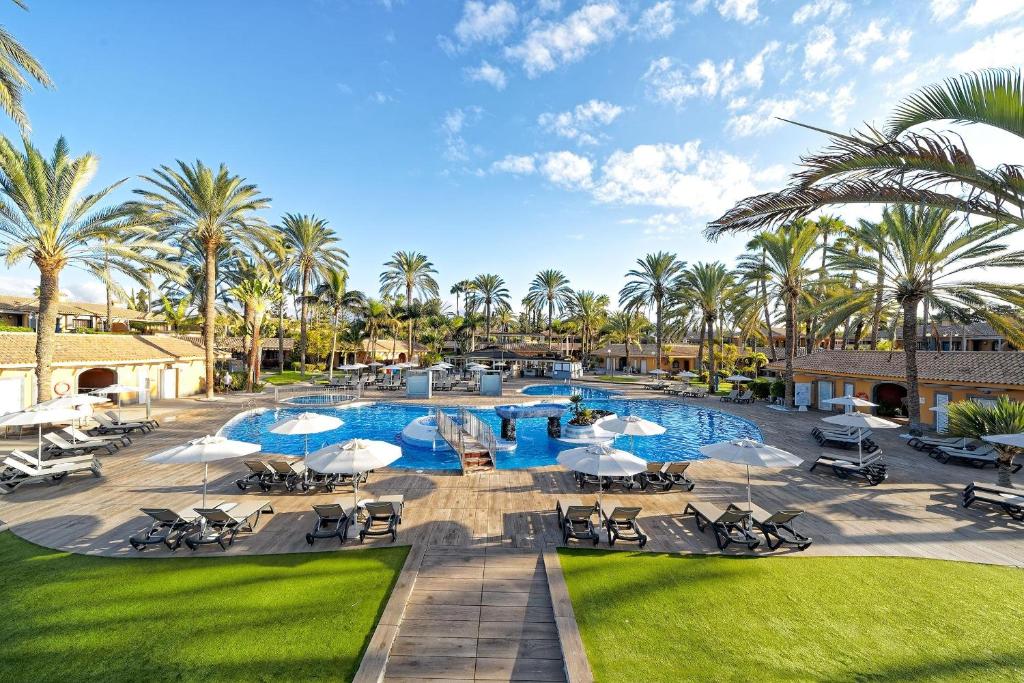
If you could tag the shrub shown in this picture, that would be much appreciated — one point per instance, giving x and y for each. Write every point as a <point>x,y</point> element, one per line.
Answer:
<point>762,388</point>
<point>14,328</point>
<point>778,389</point>
<point>295,366</point>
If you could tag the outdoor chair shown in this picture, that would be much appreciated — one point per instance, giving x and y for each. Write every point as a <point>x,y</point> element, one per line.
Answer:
<point>108,426</point>
<point>220,525</point>
<point>979,457</point>
<point>168,527</point>
<point>20,468</point>
<point>577,522</point>
<point>332,521</point>
<point>1009,500</point>
<point>259,472</point>
<point>777,528</point>
<point>871,468</point>
<point>311,479</point>
<point>622,525</point>
<point>729,526</point>
<point>151,423</point>
<point>63,447</point>
<point>382,519</point>
<point>838,431</point>
<point>655,476</point>
<point>76,434</point>
<point>286,474</point>
<point>928,443</point>
<point>731,396</point>
<point>676,472</point>
<point>745,397</point>
<point>846,441</point>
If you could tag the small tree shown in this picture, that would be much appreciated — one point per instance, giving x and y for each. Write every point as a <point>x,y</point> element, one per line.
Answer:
<point>975,420</point>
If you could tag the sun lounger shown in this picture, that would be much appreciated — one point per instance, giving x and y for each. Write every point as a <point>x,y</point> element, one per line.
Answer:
<point>20,468</point>
<point>847,442</point>
<point>871,468</point>
<point>311,479</point>
<point>927,443</point>
<point>655,476</point>
<point>777,528</point>
<point>695,392</point>
<point>731,396</point>
<point>259,472</point>
<point>979,457</point>
<point>1009,500</point>
<point>78,435</point>
<point>744,397</point>
<point>332,521</point>
<point>839,431</point>
<point>107,426</point>
<point>729,526</point>
<point>382,519</point>
<point>288,474</point>
<point>220,526</point>
<point>63,448</point>
<point>577,522</point>
<point>152,424</point>
<point>622,525</point>
<point>169,526</point>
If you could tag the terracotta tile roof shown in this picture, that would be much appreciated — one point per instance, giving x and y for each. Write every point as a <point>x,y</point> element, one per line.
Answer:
<point>962,367</point>
<point>17,349</point>
<point>30,304</point>
<point>647,350</point>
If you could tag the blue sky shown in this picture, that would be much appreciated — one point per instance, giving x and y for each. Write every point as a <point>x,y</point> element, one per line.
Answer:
<point>501,136</point>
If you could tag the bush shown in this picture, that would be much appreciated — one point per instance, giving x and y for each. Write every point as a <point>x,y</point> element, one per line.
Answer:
<point>14,328</point>
<point>778,389</point>
<point>295,365</point>
<point>762,388</point>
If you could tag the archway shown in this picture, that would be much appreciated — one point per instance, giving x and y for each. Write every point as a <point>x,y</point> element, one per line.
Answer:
<point>401,358</point>
<point>96,378</point>
<point>891,398</point>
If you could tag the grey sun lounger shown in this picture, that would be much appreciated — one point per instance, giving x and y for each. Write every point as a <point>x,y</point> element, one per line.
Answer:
<point>64,447</point>
<point>19,468</point>
<point>730,397</point>
<point>665,475</point>
<point>577,521</point>
<point>872,468</point>
<point>927,443</point>
<point>149,422</point>
<point>78,435</point>
<point>285,473</point>
<point>979,457</point>
<point>777,528</point>
<point>382,517</point>
<point>107,426</point>
<point>332,521</point>
<point>622,525</point>
<point>729,526</point>
<point>169,526</point>
<point>259,472</point>
<point>220,525</point>
<point>1009,500</point>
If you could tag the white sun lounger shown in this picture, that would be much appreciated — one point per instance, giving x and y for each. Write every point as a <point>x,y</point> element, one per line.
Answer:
<point>20,468</point>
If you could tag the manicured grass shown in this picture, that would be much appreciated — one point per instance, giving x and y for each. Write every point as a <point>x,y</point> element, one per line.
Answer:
<point>261,618</point>
<point>650,618</point>
<point>623,379</point>
<point>287,377</point>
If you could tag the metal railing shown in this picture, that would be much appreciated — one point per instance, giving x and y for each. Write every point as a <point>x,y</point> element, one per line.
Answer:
<point>479,430</point>
<point>451,433</point>
<point>319,395</point>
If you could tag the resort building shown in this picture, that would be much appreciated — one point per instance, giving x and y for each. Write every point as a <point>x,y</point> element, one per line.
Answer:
<point>22,311</point>
<point>947,336</point>
<point>82,362</point>
<point>643,358</point>
<point>880,376</point>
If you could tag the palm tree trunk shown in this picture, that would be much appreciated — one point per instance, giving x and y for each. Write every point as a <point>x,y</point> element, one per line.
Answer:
<point>109,327</point>
<point>487,321</point>
<point>210,315</point>
<point>700,351</point>
<point>1004,465</point>
<point>248,342</point>
<point>550,313</point>
<point>280,329</point>
<point>876,312</point>
<point>254,356</point>
<point>711,353</point>
<point>302,323</point>
<point>334,345</point>
<point>791,343</point>
<point>768,319</point>
<point>658,330</point>
<point>910,353</point>
<point>46,326</point>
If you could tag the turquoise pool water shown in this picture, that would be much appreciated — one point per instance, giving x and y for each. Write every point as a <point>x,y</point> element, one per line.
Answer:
<point>687,428</point>
<point>567,390</point>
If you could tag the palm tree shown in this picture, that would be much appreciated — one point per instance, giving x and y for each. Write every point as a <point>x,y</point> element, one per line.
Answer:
<point>489,291</point>
<point>752,268</point>
<point>255,292</point>
<point>46,217</point>
<point>921,166</point>
<point>334,295</point>
<point>459,288</point>
<point>626,327</point>
<point>409,272</point>
<point>975,420</point>
<point>650,285</point>
<point>589,310</point>
<point>707,286</point>
<point>207,211</point>
<point>314,250</point>
<point>550,287</point>
<point>376,318</point>
<point>928,256</point>
<point>15,60</point>
<point>175,313</point>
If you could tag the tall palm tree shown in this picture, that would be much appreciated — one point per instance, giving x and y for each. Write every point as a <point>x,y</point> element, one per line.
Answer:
<point>650,285</point>
<point>256,292</point>
<point>489,291</point>
<point>550,287</point>
<point>334,295</point>
<point>47,217</point>
<point>707,286</point>
<point>459,288</point>
<point>315,251</point>
<point>409,272</point>
<point>752,268</point>
<point>828,226</point>
<point>898,165</point>
<point>971,419</point>
<point>15,60</point>
<point>929,255</point>
<point>205,210</point>
<point>376,318</point>
<point>589,310</point>
<point>626,327</point>
<point>175,312</point>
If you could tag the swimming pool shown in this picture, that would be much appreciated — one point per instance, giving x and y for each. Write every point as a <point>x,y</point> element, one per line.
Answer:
<point>567,390</point>
<point>687,428</point>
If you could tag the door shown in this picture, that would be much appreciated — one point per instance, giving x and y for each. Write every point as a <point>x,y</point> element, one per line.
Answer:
<point>142,380</point>
<point>643,367</point>
<point>941,418</point>
<point>168,383</point>
<point>11,394</point>
<point>824,394</point>
<point>848,391</point>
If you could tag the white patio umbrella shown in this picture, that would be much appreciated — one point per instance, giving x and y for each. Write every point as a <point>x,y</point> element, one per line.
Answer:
<point>601,461</point>
<point>850,402</point>
<point>749,452</point>
<point>354,457</point>
<point>632,426</point>
<point>657,371</point>
<point>40,417</point>
<point>205,449</point>
<point>439,367</point>
<point>1014,440</point>
<point>119,389</point>
<point>353,366</point>
<point>305,424</point>
<point>375,364</point>
<point>82,402</point>
<point>738,379</point>
<point>861,421</point>
<point>393,368</point>
<point>687,374</point>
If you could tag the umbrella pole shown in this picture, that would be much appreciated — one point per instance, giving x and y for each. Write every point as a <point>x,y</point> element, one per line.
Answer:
<point>39,445</point>
<point>860,448</point>
<point>206,475</point>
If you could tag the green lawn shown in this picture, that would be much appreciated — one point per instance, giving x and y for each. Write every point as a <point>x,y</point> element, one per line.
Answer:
<point>287,377</point>
<point>271,617</point>
<point>649,618</point>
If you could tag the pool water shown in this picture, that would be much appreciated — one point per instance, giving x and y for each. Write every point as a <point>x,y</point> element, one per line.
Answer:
<point>567,390</point>
<point>687,428</point>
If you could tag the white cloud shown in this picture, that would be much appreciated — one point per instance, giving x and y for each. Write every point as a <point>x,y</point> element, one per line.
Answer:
<point>897,50</point>
<point>517,165</point>
<point>487,73</point>
<point>452,126</point>
<point>999,49</point>
<point>944,9</point>
<point>579,123</point>
<point>985,12</point>
<point>819,50</point>
<point>17,286</point>
<point>664,226</point>
<point>90,291</point>
<point>698,6</point>
<point>827,9</point>
<point>658,20</point>
<point>548,45</point>
<point>862,40</point>
<point>743,11</point>
<point>481,22</point>
<point>381,97</point>
<point>705,183</point>
<point>668,82</point>
<point>765,116</point>
<point>840,103</point>
<point>568,170</point>
<point>548,6</point>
